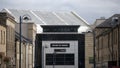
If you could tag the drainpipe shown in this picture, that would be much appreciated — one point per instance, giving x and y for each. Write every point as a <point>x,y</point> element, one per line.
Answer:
<point>112,44</point>
<point>20,42</point>
<point>118,44</point>
<point>94,48</point>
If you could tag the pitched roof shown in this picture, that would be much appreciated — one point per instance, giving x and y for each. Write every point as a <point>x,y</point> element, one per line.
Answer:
<point>108,23</point>
<point>49,18</point>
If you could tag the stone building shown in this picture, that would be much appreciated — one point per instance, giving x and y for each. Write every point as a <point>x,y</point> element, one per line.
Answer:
<point>26,51</point>
<point>28,37</point>
<point>2,38</point>
<point>107,43</point>
<point>7,37</point>
<point>9,42</point>
<point>2,33</point>
<point>89,50</point>
<point>89,44</point>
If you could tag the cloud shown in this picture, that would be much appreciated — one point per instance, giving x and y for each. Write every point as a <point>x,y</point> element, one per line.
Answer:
<point>88,9</point>
<point>54,4</point>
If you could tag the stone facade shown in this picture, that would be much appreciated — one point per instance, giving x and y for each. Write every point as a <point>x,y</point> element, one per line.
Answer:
<point>7,37</point>
<point>27,47</point>
<point>89,43</point>
<point>9,43</point>
<point>2,40</point>
<point>26,54</point>
<point>107,43</point>
<point>89,50</point>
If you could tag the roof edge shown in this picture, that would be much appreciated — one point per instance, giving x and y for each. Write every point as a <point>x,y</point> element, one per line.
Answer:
<point>7,10</point>
<point>79,17</point>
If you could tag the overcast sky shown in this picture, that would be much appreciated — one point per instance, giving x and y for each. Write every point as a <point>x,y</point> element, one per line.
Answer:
<point>90,10</point>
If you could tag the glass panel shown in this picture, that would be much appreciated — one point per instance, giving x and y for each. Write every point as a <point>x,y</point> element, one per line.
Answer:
<point>60,59</point>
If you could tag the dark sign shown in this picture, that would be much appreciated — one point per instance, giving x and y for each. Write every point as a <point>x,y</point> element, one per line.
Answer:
<point>59,50</point>
<point>59,45</point>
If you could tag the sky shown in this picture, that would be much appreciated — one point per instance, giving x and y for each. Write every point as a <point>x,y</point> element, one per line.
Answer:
<point>90,10</point>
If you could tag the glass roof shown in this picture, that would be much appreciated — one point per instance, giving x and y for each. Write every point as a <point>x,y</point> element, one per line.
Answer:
<point>49,18</point>
<point>70,18</point>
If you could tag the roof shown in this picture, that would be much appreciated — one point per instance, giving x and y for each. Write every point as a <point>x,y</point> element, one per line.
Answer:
<point>49,18</point>
<point>108,23</point>
<point>97,22</point>
<point>5,15</point>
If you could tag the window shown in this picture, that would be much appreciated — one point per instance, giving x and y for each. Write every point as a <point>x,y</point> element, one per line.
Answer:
<point>91,60</point>
<point>4,37</point>
<point>59,50</point>
<point>1,37</point>
<point>60,59</point>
